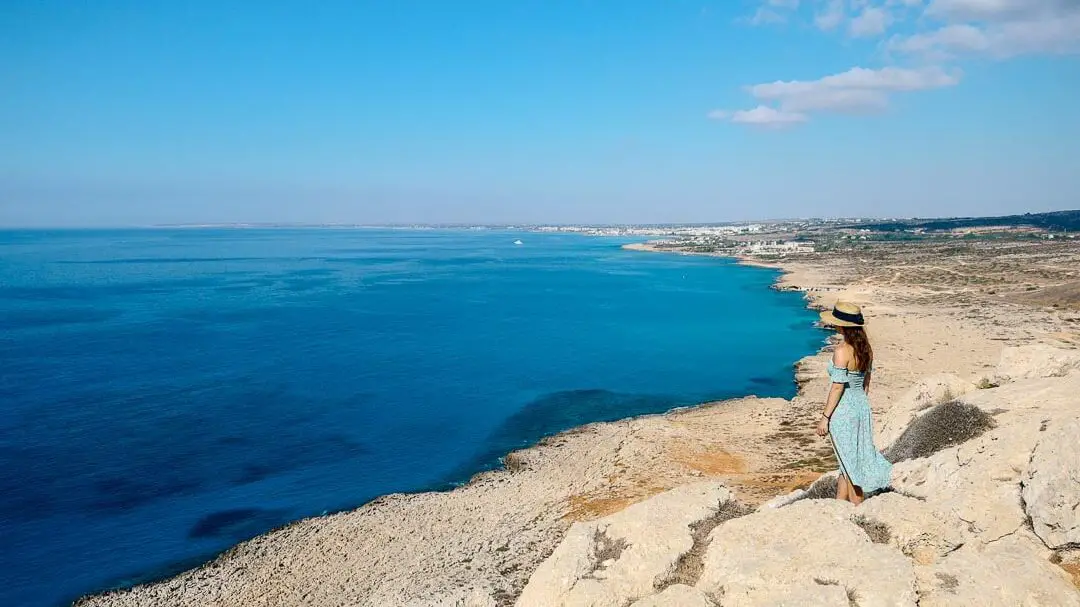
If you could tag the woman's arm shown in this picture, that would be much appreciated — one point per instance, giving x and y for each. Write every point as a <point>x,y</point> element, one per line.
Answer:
<point>866,381</point>
<point>835,392</point>
<point>841,357</point>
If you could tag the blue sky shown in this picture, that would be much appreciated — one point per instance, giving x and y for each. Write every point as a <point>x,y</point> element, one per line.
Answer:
<point>142,112</point>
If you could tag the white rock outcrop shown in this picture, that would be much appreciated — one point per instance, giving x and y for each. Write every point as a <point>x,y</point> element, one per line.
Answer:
<point>954,531</point>
<point>1035,361</point>
<point>678,595</point>
<point>620,558</point>
<point>922,532</point>
<point>1052,486</point>
<point>1013,571</point>
<point>807,553</point>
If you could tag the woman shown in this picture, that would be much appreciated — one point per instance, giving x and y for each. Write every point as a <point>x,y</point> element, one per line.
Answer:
<point>847,418</point>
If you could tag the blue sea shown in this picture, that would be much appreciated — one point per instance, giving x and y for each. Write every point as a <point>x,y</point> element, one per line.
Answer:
<point>165,394</point>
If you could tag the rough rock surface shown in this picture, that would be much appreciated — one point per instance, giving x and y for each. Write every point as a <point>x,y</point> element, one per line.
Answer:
<point>1035,361</point>
<point>621,558</point>
<point>1013,571</point>
<point>919,530</point>
<point>954,530</point>
<point>1052,486</point>
<point>678,595</point>
<point>798,549</point>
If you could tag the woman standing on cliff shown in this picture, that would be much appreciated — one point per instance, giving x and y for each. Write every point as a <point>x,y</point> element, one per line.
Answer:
<point>846,418</point>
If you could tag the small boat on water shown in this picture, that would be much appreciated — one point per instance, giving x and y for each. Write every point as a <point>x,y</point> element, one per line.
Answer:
<point>518,242</point>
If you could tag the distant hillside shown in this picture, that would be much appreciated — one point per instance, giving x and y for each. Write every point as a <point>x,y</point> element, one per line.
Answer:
<point>1057,221</point>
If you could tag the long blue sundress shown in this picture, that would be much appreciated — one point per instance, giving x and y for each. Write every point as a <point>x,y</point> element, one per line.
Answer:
<point>852,431</point>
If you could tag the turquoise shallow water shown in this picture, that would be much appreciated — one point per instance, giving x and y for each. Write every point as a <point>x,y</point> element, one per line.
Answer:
<point>165,394</point>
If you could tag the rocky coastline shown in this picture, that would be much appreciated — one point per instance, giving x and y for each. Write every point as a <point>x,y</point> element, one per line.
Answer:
<point>650,510</point>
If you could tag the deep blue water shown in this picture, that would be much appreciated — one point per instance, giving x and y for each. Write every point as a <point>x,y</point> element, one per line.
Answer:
<point>165,394</point>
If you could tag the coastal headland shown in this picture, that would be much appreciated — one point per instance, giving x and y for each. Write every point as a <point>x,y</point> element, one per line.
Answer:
<point>979,325</point>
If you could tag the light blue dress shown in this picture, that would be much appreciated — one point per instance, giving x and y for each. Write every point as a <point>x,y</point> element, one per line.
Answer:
<point>852,431</point>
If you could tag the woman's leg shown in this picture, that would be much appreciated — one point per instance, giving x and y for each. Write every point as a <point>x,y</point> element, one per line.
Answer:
<point>842,488</point>
<point>855,494</point>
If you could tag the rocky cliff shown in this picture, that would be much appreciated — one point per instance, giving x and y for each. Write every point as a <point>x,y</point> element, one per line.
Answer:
<point>984,510</point>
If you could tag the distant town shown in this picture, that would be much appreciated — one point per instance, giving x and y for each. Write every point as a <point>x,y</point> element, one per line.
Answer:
<point>776,238</point>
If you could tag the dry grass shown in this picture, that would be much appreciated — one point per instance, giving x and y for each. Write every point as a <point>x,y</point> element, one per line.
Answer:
<point>942,427</point>
<point>1070,563</point>
<point>688,568</point>
<point>591,507</point>
<point>606,549</point>
<point>713,463</point>
<point>879,532</point>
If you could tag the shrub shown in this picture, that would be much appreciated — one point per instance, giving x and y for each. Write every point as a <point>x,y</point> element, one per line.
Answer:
<point>939,428</point>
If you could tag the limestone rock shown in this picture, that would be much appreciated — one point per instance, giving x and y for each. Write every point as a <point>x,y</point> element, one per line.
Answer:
<point>921,397</point>
<point>916,528</point>
<point>678,595</point>
<point>618,559</point>
<point>820,593</point>
<point>1035,361</point>
<point>1010,572</point>
<point>783,500</point>
<point>1052,486</point>
<point>807,553</point>
<point>978,481</point>
<point>975,483</point>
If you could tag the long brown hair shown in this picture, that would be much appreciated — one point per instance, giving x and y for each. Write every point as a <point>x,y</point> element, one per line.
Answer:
<point>864,354</point>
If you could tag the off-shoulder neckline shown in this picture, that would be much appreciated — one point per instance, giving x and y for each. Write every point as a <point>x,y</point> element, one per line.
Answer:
<point>831,365</point>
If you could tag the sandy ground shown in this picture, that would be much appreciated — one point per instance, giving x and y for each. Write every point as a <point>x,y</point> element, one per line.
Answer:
<point>478,545</point>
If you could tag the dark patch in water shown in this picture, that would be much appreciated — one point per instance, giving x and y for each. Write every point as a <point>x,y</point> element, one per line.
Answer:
<point>132,454</point>
<point>767,381</point>
<point>236,522</point>
<point>555,412</point>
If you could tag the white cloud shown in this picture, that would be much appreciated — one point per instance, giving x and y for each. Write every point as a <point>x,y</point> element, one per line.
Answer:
<point>858,90</point>
<point>766,16</point>
<point>762,115</point>
<point>998,28</point>
<point>943,28</point>
<point>831,17</point>
<point>872,21</point>
<point>926,32</point>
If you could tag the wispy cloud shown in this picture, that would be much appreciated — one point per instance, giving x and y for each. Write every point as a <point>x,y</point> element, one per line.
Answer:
<point>995,28</point>
<point>856,91</point>
<point>762,115</point>
<point>924,34</point>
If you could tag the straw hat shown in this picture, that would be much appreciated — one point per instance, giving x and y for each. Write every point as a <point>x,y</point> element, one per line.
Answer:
<point>843,314</point>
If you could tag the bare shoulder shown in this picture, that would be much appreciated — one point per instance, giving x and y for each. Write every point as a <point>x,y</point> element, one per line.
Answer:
<point>842,355</point>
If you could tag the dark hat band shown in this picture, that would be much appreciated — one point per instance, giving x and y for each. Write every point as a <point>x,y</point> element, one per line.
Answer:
<point>844,316</point>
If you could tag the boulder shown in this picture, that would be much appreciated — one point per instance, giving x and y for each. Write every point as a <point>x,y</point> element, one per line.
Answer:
<point>807,553</point>
<point>619,559</point>
<point>919,530</point>
<point>976,483</point>
<point>933,390</point>
<point>1035,361</point>
<point>1052,486</point>
<point>1010,572</point>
